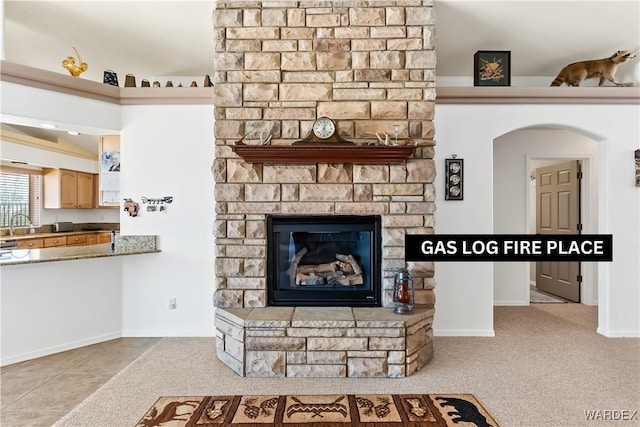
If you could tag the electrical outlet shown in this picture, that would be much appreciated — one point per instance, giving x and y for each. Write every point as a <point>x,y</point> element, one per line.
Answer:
<point>172,304</point>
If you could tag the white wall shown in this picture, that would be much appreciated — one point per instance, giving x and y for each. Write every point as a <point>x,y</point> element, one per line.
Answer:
<point>465,305</point>
<point>56,306</point>
<point>168,150</point>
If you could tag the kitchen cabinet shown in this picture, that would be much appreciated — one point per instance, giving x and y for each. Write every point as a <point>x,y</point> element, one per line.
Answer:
<point>62,239</point>
<point>30,243</point>
<point>68,189</point>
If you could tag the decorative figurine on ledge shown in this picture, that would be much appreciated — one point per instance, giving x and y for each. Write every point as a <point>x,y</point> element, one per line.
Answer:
<point>604,68</point>
<point>70,65</point>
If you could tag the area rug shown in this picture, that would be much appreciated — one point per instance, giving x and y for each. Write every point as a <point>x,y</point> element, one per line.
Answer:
<point>375,410</point>
<point>537,297</point>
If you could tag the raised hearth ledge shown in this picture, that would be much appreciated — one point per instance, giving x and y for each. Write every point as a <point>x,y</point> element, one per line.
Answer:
<point>324,341</point>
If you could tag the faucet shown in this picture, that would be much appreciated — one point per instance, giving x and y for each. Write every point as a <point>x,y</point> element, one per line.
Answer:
<point>11,226</point>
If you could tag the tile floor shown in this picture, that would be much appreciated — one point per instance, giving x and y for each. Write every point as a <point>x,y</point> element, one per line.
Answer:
<point>39,392</point>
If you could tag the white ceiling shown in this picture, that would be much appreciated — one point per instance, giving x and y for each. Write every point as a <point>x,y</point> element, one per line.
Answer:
<point>155,39</point>
<point>162,40</point>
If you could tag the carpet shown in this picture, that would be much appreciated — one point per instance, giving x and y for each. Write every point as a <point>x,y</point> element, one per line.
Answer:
<point>420,410</point>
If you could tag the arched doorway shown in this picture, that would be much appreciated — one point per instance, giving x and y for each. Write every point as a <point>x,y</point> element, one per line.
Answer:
<point>515,156</point>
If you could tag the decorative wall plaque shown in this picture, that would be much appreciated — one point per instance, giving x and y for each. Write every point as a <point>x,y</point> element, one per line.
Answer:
<point>453,179</point>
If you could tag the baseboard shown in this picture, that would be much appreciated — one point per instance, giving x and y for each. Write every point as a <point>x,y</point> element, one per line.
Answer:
<point>150,333</point>
<point>619,334</point>
<point>58,348</point>
<point>464,333</point>
<point>510,303</point>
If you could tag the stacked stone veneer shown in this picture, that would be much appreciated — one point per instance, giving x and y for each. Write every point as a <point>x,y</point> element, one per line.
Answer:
<point>324,342</point>
<point>279,65</point>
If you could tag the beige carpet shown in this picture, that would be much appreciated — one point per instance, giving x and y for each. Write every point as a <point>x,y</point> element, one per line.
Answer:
<point>546,366</point>
<point>319,410</point>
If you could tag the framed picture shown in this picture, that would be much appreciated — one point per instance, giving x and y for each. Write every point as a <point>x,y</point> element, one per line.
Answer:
<point>492,68</point>
<point>637,156</point>
<point>453,179</point>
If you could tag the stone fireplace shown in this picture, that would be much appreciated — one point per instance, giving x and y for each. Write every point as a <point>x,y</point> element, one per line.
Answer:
<point>280,65</point>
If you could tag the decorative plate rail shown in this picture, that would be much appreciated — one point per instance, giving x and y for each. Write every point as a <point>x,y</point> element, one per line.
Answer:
<point>319,153</point>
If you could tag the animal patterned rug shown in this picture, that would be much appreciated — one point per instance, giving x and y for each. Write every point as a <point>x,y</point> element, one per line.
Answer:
<point>375,410</point>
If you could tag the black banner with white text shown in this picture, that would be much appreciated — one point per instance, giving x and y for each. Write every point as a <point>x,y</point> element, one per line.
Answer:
<point>508,247</point>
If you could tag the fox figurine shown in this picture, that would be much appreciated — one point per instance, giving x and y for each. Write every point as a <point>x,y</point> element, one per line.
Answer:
<point>604,68</point>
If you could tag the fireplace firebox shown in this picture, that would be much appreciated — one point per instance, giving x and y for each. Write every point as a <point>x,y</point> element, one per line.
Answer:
<point>332,260</point>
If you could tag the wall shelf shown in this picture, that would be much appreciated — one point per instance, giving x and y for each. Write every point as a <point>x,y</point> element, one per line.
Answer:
<point>319,153</point>
<point>538,95</point>
<point>59,82</point>
<point>64,83</point>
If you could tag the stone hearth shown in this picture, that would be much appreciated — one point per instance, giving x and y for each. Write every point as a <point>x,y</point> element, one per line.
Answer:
<point>323,342</point>
<point>279,66</point>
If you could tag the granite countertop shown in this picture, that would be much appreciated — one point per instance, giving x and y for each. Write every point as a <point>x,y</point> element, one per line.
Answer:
<point>125,245</point>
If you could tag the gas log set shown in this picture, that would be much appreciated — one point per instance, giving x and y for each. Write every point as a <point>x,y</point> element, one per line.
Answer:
<point>344,271</point>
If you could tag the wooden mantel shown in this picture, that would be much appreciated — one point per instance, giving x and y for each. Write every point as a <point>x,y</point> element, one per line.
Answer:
<point>320,153</point>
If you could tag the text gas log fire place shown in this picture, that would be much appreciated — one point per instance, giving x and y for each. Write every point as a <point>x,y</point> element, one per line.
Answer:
<point>332,260</point>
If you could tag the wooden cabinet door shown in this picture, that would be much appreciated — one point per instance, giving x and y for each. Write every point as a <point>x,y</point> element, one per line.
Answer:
<point>30,243</point>
<point>104,237</point>
<point>68,188</point>
<point>77,240</point>
<point>85,190</point>
<point>92,239</point>
<point>51,242</point>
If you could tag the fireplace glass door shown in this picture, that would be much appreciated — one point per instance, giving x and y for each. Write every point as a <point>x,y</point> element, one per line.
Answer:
<point>324,260</point>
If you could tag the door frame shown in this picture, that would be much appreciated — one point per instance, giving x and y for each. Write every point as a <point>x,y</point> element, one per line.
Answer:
<point>588,209</point>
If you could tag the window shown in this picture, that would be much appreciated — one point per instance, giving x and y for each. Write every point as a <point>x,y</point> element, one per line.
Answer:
<point>20,193</point>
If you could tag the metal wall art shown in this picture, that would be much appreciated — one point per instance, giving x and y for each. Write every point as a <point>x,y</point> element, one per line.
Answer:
<point>157,204</point>
<point>453,178</point>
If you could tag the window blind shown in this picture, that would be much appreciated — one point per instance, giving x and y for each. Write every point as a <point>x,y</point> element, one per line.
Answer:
<point>20,193</point>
